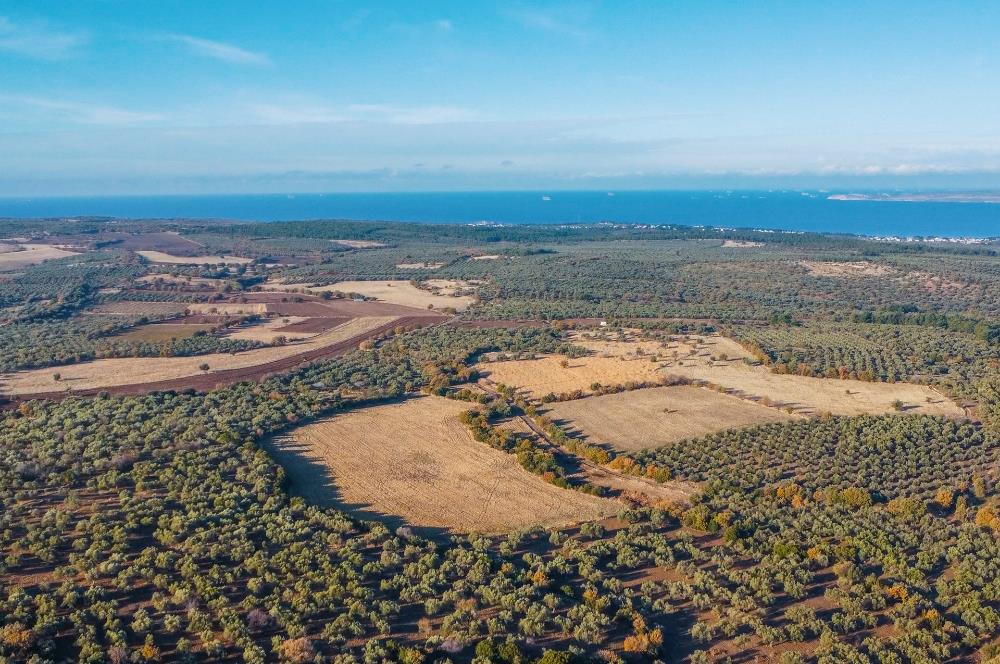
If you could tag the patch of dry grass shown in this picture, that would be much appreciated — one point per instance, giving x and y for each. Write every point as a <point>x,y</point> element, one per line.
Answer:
<point>15,257</point>
<point>162,257</point>
<point>846,269</point>
<point>647,418</point>
<point>395,292</point>
<point>419,266</point>
<point>417,461</point>
<point>719,361</point>
<point>359,244</point>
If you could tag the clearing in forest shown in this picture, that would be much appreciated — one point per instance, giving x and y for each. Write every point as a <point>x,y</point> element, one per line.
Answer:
<point>653,417</point>
<point>396,292</point>
<point>743,244</point>
<point>416,461</point>
<point>359,244</point>
<point>846,269</point>
<point>719,361</point>
<point>100,374</point>
<point>419,266</point>
<point>162,257</point>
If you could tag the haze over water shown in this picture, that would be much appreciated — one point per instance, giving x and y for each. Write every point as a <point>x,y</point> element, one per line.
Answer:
<point>798,211</point>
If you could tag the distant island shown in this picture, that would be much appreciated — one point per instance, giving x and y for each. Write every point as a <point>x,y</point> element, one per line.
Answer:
<point>927,197</point>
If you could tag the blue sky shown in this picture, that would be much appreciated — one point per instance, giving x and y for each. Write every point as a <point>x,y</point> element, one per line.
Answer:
<point>133,96</point>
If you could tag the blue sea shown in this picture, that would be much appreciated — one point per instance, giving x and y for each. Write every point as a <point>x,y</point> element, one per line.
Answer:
<point>798,211</point>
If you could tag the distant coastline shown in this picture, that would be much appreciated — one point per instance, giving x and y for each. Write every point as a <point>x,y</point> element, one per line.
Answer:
<point>927,197</point>
<point>809,211</point>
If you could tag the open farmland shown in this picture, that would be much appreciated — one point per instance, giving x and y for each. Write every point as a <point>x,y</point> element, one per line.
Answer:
<point>162,257</point>
<point>265,331</point>
<point>417,461</point>
<point>106,373</point>
<point>15,257</point>
<point>648,418</point>
<point>719,361</point>
<point>395,292</point>
<point>157,332</point>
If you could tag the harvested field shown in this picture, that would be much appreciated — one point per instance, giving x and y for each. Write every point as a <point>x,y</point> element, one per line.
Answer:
<point>137,308</point>
<point>719,361</point>
<point>741,243</point>
<point>23,255</point>
<point>310,325</point>
<point>846,269</point>
<point>228,308</point>
<point>265,331</point>
<point>419,266</point>
<point>398,292</point>
<point>162,257</point>
<point>140,370</point>
<point>416,460</point>
<point>486,257</point>
<point>359,244</point>
<point>157,332</point>
<point>647,418</point>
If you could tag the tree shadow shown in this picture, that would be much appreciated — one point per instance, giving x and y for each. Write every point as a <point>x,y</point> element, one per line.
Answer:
<point>312,480</point>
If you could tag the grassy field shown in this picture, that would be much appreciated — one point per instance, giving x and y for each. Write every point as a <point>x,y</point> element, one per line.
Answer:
<point>138,370</point>
<point>642,419</point>
<point>162,257</point>
<point>415,460</point>
<point>716,360</point>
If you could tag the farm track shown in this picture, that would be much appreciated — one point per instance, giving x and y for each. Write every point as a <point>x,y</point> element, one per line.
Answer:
<point>225,377</point>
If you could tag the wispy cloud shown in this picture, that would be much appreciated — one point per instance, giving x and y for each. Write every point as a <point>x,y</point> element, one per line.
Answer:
<point>38,40</point>
<point>302,111</point>
<point>416,115</point>
<point>219,50</point>
<point>570,21</point>
<point>81,112</point>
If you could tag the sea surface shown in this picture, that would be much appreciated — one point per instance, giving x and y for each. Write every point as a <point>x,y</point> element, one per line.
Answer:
<point>799,211</point>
